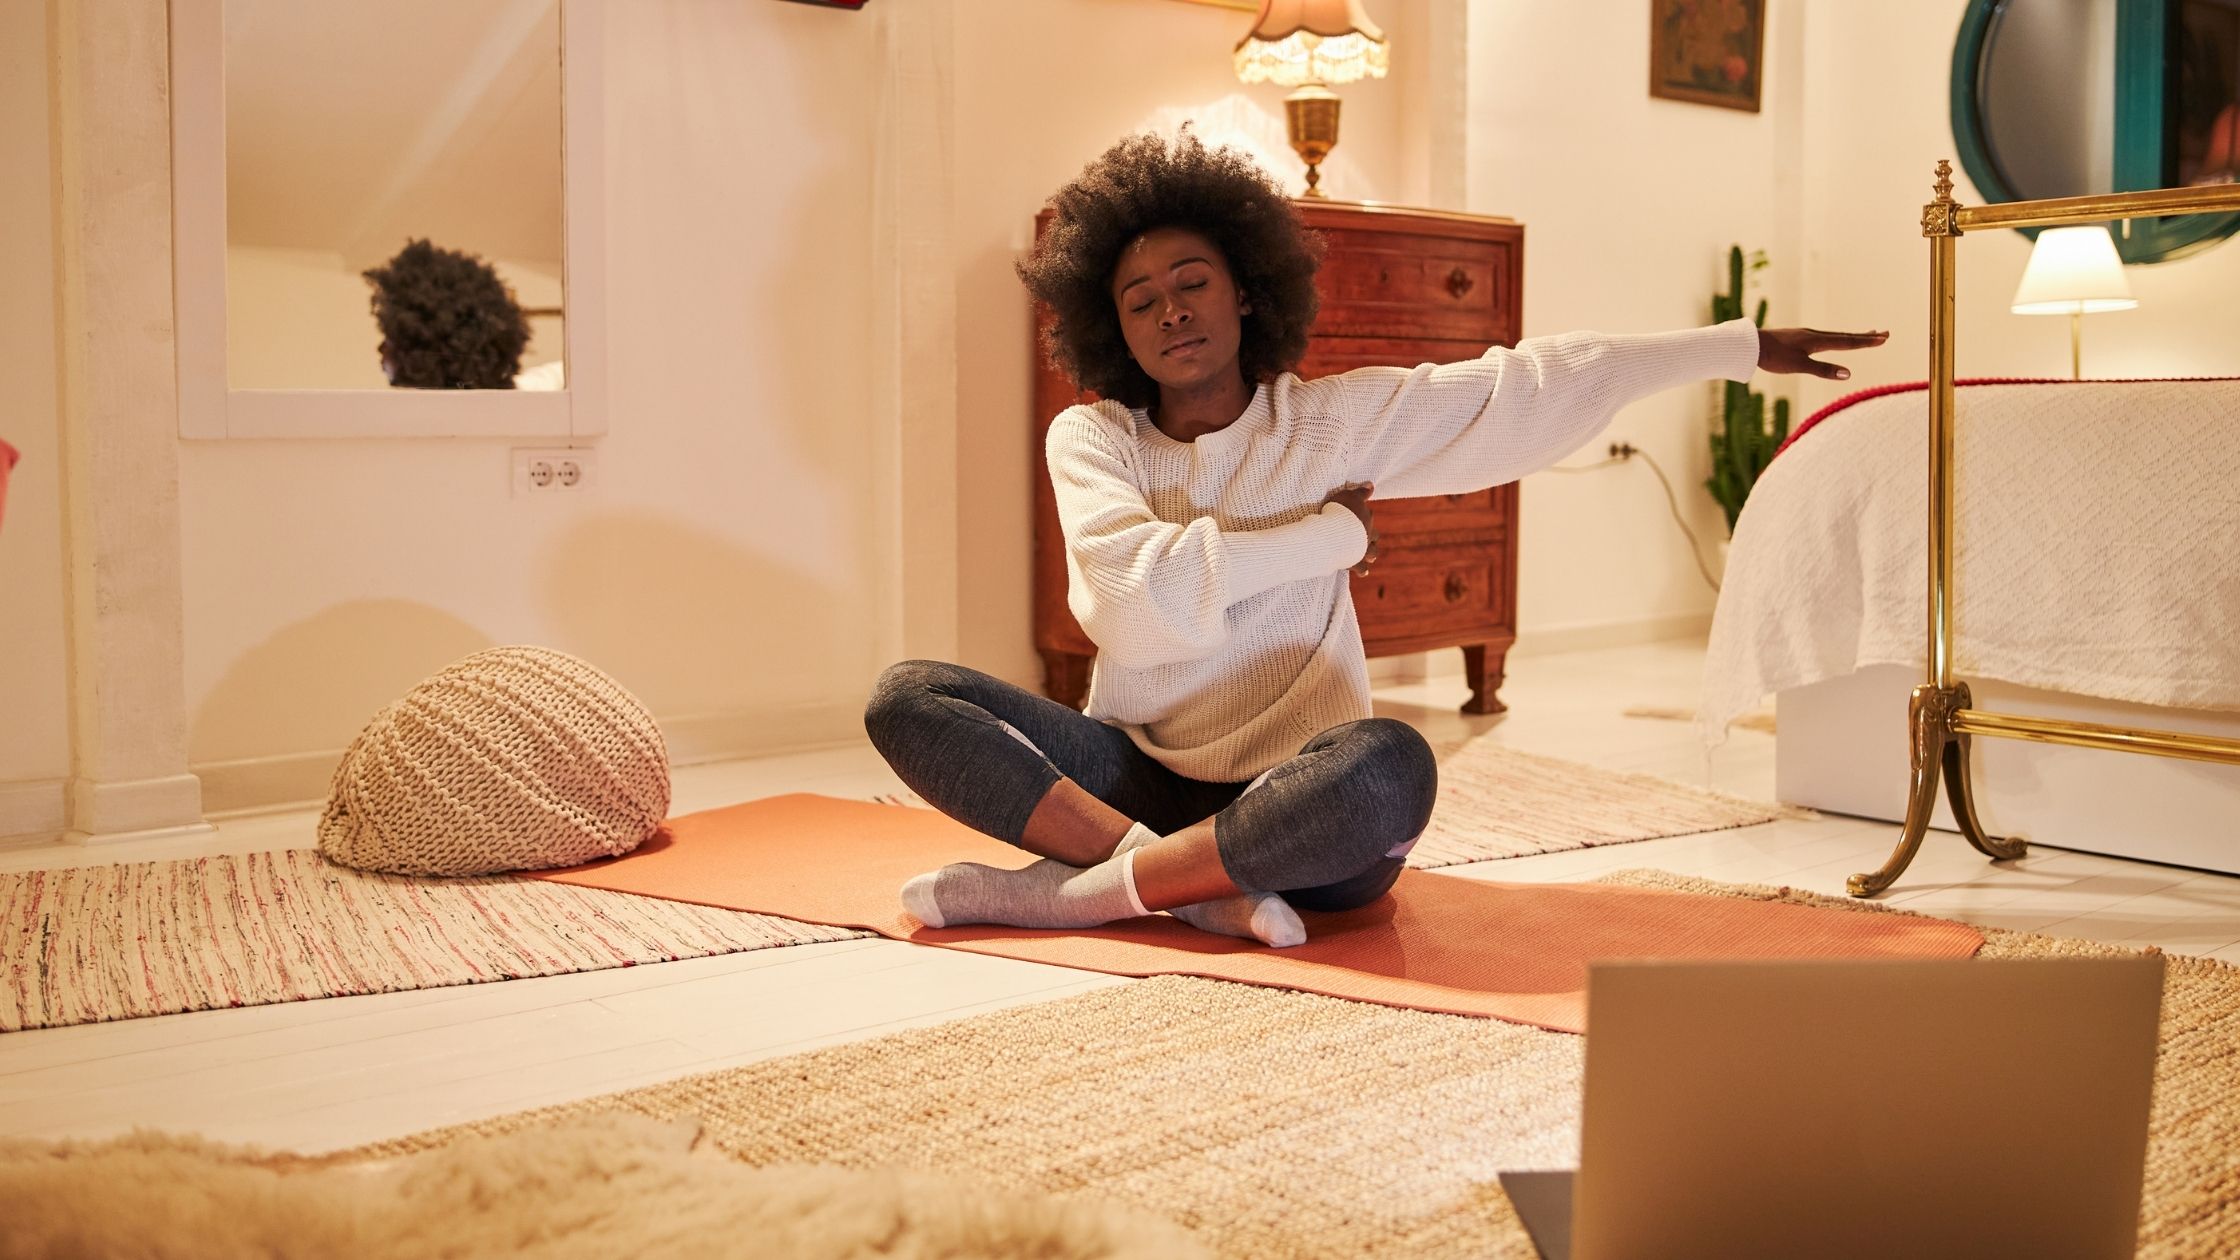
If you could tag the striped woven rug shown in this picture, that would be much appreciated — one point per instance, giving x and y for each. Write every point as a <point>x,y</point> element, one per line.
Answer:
<point>96,943</point>
<point>154,938</point>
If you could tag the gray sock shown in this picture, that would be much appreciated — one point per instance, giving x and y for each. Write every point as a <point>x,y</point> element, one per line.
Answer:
<point>1263,917</point>
<point>1047,894</point>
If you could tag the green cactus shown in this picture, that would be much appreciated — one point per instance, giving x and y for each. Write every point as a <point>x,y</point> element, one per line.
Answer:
<point>1741,446</point>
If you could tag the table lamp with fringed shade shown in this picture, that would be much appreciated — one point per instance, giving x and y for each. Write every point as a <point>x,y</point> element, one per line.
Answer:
<point>1309,45</point>
<point>2073,271</point>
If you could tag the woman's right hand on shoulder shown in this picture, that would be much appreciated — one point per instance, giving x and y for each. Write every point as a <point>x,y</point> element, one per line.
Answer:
<point>1354,497</point>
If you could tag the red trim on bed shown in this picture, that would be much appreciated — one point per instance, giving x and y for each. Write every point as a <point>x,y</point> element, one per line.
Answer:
<point>1907,387</point>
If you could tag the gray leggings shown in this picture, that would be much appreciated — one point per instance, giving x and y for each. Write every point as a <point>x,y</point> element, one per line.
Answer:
<point>1328,829</point>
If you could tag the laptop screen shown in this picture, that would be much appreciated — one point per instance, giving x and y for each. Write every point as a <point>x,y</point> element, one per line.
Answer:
<point>1866,1108</point>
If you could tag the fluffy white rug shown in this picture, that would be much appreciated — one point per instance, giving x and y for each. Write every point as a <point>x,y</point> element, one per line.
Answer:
<point>613,1185</point>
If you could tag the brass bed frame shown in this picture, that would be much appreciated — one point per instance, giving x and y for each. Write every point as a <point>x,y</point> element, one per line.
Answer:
<point>1941,715</point>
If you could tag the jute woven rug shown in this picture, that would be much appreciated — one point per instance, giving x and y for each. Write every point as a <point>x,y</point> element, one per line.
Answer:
<point>156,938</point>
<point>1281,1124</point>
<point>153,938</point>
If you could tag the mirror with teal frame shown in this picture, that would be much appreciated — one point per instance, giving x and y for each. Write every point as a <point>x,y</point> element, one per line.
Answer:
<point>2065,98</point>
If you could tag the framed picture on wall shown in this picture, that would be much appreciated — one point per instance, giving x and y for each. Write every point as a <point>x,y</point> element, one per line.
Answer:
<point>1709,52</point>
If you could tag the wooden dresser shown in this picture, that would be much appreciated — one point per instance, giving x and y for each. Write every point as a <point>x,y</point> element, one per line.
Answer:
<point>1399,287</point>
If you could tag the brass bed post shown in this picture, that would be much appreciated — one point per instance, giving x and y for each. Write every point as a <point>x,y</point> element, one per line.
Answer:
<point>1941,715</point>
<point>1934,744</point>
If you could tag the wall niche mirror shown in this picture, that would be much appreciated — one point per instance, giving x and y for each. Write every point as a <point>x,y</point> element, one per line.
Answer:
<point>387,218</point>
<point>2066,98</point>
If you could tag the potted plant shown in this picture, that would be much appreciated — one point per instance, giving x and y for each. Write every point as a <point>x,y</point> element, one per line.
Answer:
<point>1741,443</point>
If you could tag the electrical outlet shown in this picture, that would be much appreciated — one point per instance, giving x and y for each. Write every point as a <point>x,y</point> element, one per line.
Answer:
<point>551,470</point>
<point>1622,450</point>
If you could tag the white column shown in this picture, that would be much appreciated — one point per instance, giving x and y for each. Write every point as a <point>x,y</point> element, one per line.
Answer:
<point>914,354</point>
<point>119,415</point>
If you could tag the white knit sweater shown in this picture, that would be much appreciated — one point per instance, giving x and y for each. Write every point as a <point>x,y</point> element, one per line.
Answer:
<point>1212,577</point>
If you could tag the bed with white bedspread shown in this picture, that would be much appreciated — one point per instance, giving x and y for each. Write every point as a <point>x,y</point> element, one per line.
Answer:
<point>2096,575</point>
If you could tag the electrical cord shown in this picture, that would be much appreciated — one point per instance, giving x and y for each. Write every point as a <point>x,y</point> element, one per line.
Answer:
<point>1620,452</point>
<point>1577,468</point>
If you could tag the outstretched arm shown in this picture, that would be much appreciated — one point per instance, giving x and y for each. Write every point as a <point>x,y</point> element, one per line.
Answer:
<point>1456,427</point>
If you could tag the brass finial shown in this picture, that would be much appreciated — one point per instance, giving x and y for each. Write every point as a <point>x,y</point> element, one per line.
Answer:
<point>1938,217</point>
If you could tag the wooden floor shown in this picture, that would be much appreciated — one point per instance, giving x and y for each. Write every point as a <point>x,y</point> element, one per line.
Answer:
<point>319,1075</point>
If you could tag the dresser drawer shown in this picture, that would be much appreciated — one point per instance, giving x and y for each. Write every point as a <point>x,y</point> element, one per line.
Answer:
<point>1387,284</point>
<point>1430,590</point>
<point>1480,512</point>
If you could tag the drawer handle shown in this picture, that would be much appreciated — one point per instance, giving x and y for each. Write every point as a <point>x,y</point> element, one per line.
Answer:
<point>1380,590</point>
<point>1460,283</point>
<point>1456,588</point>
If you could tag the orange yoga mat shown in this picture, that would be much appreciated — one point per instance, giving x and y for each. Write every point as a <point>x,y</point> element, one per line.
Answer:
<point>1517,952</point>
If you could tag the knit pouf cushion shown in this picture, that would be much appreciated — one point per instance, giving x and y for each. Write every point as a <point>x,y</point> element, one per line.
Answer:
<point>513,759</point>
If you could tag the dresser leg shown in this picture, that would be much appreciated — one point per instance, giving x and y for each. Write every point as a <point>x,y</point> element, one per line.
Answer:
<point>1483,665</point>
<point>1065,677</point>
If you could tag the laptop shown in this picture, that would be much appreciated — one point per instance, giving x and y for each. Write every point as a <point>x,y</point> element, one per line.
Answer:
<point>1857,1109</point>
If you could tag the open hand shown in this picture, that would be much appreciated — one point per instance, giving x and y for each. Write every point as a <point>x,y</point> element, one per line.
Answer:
<point>1355,499</point>
<point>1791,350</point>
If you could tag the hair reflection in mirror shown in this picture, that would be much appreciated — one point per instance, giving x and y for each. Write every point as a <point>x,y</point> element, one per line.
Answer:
<point>447,321</point>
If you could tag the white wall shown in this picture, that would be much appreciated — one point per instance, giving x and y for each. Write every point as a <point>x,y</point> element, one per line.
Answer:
<point>735,564</point>
<point>1876,112</point>
<point>724,568</point>
<point>732,568</point>
<point>34,658</point>
<point>1028,119</point>
<point>1629,205</point>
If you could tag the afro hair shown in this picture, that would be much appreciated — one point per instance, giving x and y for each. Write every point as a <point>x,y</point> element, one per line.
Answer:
<point>447,321</point>
<point>1142,183</point>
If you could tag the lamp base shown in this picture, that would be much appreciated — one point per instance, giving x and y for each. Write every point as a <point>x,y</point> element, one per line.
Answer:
<point>1311,114</point>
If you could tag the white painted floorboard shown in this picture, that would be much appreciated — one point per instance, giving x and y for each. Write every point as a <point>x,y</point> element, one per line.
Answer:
<point>319,1075</point>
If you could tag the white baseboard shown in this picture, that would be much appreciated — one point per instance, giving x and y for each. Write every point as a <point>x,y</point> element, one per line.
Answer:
<point>1586,636</point>
<point>768,732</point>
<point>104,811</point>
<point>261,784</point>
<point>256,785</point>
<point>32,811</point>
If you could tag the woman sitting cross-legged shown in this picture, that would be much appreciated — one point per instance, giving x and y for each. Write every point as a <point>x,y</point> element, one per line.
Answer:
<point>1228,770</point>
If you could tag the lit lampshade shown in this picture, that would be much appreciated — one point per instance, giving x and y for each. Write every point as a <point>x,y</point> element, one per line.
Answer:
<point>2073,271</point>
<point>1312,41</point>
<point>1308,45</point>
